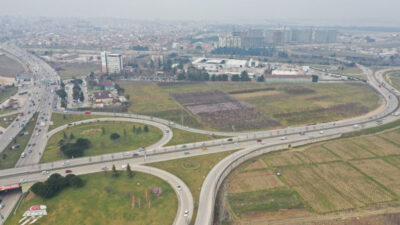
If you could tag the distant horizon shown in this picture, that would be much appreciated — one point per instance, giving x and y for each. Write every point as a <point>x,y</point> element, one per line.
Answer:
<point>301,12</point>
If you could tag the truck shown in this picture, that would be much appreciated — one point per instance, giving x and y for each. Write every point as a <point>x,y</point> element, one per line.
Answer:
<point>23,155</point>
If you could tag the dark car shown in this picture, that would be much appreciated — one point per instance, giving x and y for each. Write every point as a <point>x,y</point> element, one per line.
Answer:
<point>68,171</point>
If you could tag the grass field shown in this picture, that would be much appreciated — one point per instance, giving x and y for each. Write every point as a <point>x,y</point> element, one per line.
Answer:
<point>393,78</point>
<point>286,104</point>
<point>9,157</point>
<point>8,92</point>
<point>345,174</point>
<point>352,71</point>
<point>60,119</point>
<point>183,137</point>
<point>4,123</point>
<point>70,70</point>
<point>101,141</point>
<point>192,171</point>
<point>94,205</point>
<point>9,67</point>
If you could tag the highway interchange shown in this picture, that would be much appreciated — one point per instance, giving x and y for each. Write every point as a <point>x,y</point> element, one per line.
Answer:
<point>42,93</point>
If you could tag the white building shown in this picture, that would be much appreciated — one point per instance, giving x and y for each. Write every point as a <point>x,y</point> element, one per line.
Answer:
<point>111,63</point>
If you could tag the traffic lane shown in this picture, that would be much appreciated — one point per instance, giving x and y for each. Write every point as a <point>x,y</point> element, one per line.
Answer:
<point>9,199</point>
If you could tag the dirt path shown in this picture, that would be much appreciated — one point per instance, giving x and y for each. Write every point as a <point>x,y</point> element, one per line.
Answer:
<point>6,80</point>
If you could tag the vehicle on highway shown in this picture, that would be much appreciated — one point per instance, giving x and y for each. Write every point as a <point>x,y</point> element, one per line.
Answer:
<point>186,212</point>
<point>259,140</point>
<point>44,172</point>
<point>356,126</point>
<point>179,187</point>
<point>123,166</point>
<point>135,155</point>
<point>104,168</point>
<point>184,146</point>
<point>23,155</point>
<point>87,112</point>
<point>68,171</point>
<point>186,153</point>
<point>2,205</point>
<point>284,138</point>
<point>321,132</point>
<point>230,139</point>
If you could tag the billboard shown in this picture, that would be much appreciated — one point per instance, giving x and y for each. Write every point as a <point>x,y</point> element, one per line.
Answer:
<point>9,187</point>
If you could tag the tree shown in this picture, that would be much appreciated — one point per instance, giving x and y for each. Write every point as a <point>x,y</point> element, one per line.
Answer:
<point>64,117</point>
<point>244,76</point>
<point>71,136</point>
<point>124,132</point>
<point>139,130</point>
<point>134,129</point>
<point>114,171</point>
<point>129,171</point>
<point>261,78</point>
<point>235,77</point>
<point>81,97</point>
<point>114,136</point>
<point>61,93</point>
<point>181,76</point>
<point>103,130</point>
<point>146,128</point>
<point>74,181</point>
<point>213,78</point>
<point>65,135</point>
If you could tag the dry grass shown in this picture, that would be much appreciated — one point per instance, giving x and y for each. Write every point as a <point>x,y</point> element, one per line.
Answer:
<point>286,158</point>
<point>359,190</point>
<point>377,145</point>
<point>318,154</point>
<point>320,195</point>
<point>347,149</point>
<point>244,96</point>
<point>259,164</point>
<point>381,171</point>
<point>254,181</point>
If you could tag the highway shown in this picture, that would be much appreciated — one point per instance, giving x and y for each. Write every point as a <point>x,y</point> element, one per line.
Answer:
<point>28,169</point>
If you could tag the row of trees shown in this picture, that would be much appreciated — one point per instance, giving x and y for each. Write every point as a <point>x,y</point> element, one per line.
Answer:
<point>55,184</point>
<point>202,75</point>
<point>129,171</point>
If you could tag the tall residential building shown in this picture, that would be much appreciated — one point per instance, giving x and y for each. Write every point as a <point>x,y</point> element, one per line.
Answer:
<point>111,63</point>
<point>230,42</point>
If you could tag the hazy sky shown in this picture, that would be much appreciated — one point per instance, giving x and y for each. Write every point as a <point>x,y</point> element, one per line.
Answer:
<point>333,12</point>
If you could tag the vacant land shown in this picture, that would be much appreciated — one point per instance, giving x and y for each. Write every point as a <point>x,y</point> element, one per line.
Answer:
<point>6,93</point>
<point>99,135</point>
<point>107,200</point>
<point>346,175</point>
<point>184,137</point>
<point>6,121</point>
<point>393,78</point>
<point>71,70</point>
<point>10,156</point>
<point>265,105</point>
<point>9,67</point>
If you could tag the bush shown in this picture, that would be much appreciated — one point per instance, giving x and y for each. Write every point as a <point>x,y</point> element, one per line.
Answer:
<point>55,184</point>
<point>76,149</point>
<point>114,136</point>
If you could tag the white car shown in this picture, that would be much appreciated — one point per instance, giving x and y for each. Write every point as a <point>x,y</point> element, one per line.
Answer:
<point>321,132</point>
<point>283,138</point>
<point>179,187</point>
<point>124,166</point>
<point>186,212</point>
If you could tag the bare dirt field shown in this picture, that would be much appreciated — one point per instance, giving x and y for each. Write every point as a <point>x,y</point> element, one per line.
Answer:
<point>6,80</point>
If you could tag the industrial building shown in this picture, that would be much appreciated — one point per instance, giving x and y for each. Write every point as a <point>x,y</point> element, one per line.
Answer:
<point>111,63</point>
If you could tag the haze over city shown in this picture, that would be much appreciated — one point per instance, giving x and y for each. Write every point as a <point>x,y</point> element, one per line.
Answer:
<point>301,12</point>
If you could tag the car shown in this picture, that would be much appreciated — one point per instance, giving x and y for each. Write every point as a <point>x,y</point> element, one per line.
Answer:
<point>321,132</point>
<point>259,140</point>
<point>22,180</point>
<point>284,138</point>
<point>123,166</point>
<point>68,171</point>
<point>135,155</point>
<point>44,172</point>
<point>186,153</point>
<point>230,139</point>
<point>184,146</point>
<point>2,205</point>
<point>104,168</point>
<point>179,187</point>
<point>186,212</point>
